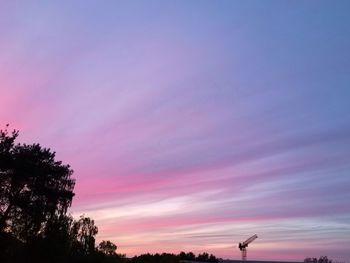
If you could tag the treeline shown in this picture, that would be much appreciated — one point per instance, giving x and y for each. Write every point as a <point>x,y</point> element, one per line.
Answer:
<point>173,258</point>
<point>321,259</point>
<point>35,193</point>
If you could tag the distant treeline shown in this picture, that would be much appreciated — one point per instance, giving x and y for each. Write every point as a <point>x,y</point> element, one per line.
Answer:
<point>173,258</point>
<point>321,259</point>
<point>35,193</point>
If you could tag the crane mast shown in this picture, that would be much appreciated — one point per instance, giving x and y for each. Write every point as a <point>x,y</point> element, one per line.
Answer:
<point>243,246</point>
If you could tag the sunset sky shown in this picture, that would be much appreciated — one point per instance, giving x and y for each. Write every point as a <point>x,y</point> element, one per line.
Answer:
<point>191,125</point>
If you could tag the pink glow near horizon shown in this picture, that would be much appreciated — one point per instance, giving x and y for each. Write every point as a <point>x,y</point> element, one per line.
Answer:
<point>191,126</point>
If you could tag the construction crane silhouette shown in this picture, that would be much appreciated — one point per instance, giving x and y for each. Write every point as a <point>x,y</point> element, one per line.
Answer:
<point>243,246</point>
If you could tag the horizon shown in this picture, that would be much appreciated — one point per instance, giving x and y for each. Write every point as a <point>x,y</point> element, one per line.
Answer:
<point>191,125</point>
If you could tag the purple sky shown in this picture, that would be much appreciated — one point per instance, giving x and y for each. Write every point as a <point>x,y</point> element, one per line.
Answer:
<point>191,125</point>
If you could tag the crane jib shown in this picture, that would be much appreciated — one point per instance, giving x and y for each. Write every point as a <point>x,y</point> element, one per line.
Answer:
<point>243,246</point>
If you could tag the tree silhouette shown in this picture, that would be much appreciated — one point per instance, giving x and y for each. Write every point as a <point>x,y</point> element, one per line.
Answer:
<point>322,259</point>
<point>187,256</point>
<point>203,257</point>
<point>107,248</point>
<point>6,145</point>
<point>84,232</point>
<point>34,187</point>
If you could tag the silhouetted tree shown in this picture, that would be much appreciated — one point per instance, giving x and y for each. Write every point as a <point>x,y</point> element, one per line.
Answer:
<point>190,256</point>
<point>203,257</point>
<point>182,255</point>
<point>322,259</point>
<point>107,248</point>
<point>57,241</point>
<point>212,258</point>
<point>34,187</point>
<point>83,232</point>
<point>310,260</point>
<point>187,256</point>
<point>6,147</point>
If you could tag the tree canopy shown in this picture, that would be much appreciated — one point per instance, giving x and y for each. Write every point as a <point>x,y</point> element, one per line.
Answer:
<point>107,247</point>
<point>34,187</point>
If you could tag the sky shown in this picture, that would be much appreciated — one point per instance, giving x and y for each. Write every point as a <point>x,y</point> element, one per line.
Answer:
<point>191,125</point>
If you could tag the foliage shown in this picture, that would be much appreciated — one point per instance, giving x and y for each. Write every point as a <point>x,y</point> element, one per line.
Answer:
<point>322,259</point>
<point>83,232</point>
<point>34,187</point>
<point>107,248</point>
<point>173,258</point>
<point>187,256</point>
